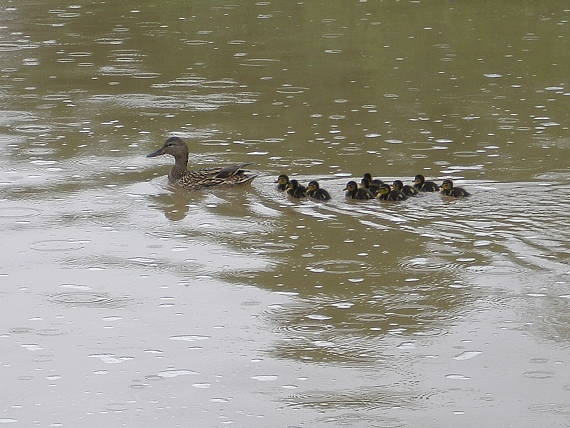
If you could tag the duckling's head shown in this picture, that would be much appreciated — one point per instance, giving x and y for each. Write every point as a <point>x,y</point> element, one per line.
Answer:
<point>398,185</point>
<point>313,185</point>
<point>447,185</point>
<point>282,179</point>
<point>173,146</point>
<point>367,176</point>
<point>351,186</point>
<point>365,182</point>
<point>384,189</point>
<point>292,185</point>
<point>419,179</point>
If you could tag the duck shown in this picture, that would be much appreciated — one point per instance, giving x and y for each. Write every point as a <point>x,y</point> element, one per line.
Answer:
<point>180,176</point>
<point>296,190</point>
<point>387,194</point>
<point>353,192</point>
<point>421,185</point>
<point>447,189</point>
<point>372,185</point>
<point>406,190</point>
<point>314,191</point>
<point>282,182</point>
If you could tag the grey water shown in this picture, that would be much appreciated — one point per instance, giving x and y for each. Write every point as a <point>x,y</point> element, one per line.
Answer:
<point>126,302</point>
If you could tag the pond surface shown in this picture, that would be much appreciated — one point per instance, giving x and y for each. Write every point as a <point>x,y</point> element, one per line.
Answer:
<point>125,303</point>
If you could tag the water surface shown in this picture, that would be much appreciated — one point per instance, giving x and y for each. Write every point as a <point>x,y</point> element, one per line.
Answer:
<point>126,303</point>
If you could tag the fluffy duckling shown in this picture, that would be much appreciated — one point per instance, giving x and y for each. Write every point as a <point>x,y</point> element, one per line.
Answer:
<point>421,185</point>
<point>447,189</point>
<point>372,185</point>
<point>295,189</point>
<point>315,192</point>
<point>353,192</point>
<point>387,194</point>
<point>282,182</point>
<point>406,190</point>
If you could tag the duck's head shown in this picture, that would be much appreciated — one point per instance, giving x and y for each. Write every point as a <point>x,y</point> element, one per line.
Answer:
<point>398,185</point>
<point>313,185</point>
<point>447,185</point>
<point>365,182</point>
<point>351,186</point>
<point>292,185</point>
<point>419,179</point>
<point>173,146</point>
<point>367,176</point>
<point>282,179</point>
<point>384,189</point>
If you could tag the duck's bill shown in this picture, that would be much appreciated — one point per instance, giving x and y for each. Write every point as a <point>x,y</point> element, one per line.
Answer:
<point>345,189</point>
<point>156,153</point>
<point>416,181</point>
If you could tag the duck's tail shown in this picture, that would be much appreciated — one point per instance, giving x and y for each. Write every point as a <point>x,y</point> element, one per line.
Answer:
<point>232,170</point>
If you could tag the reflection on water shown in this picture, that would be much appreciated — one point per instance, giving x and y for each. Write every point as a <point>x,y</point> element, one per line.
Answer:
<point>124,299</point>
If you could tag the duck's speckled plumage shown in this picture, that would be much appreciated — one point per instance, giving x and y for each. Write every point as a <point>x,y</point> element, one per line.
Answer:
<point>447,189</point>
<point>385,193</point>
<point>295,189</point>
<point>405,189</point>
<point>421,185</point>
<point>314,191</point>
<point>180,176</point>
<point>353,192</point>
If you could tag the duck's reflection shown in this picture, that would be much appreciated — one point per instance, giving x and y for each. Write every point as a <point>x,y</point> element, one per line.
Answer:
<point>176,204</point>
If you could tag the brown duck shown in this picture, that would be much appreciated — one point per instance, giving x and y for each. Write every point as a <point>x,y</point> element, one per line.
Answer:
<point>179,175</point>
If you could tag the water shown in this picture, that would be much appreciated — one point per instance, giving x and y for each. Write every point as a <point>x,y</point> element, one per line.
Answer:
<point>126,303</point>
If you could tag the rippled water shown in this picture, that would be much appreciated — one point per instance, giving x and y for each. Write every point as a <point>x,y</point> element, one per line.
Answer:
<point>126,302</point>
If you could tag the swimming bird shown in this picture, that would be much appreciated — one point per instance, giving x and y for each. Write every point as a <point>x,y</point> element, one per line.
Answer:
<point>447,189</point>
<point>422,185</point>
<point>206,177</point>
<point>353,192</point>
<point>387,194</point>
<point>314,191</point>
<point>295,189</point>
<point>282,182</point>
<point>372,185</point>
<point>406,190</point>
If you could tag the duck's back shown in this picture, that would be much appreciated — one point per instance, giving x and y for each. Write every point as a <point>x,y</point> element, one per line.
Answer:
<point>456,192</point>
<point>427,186</point>
<point>208,177</point>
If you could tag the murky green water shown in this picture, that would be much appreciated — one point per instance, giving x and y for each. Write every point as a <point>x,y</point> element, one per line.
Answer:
<point>127,304</point>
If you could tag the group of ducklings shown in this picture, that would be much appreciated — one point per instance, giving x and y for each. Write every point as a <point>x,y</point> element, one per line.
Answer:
<point>370,188</point>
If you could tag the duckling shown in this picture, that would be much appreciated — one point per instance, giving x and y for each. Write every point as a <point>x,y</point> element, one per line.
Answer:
<point>372,185</point>
<point>447,189</point>
<point>422,185</point>
<point>386,194</point>
<point>295,189</point>
<point>406,190</point>
<point>282,182</point>
<point>206,177</point>
<point>314,191</point>
<point>353,192</point>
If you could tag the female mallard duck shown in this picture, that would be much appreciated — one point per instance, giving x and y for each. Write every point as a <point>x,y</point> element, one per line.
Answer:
<point>282,182</point>
<point>421,185</point>
<point>206,177</point>
<point>372,185</point>
<point>315,192</point>
<point>447,189</point>
<point>295,189</point>
<point>353,192</point>
<point>387,194</point>
<point>406,190</point>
